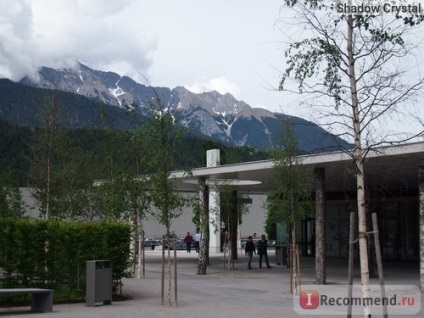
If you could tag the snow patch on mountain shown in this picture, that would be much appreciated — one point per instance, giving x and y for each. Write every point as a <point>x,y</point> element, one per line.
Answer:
<point>117,91</point>
<point>217,116</point>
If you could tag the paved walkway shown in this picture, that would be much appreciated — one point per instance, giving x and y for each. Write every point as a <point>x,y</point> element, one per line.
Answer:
<point>221,293</point>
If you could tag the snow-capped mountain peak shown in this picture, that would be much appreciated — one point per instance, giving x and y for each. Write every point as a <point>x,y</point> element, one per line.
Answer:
<point>217,116</point>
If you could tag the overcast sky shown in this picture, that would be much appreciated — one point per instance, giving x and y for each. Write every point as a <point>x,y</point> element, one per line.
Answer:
<point>234,46</point>
<point>230,46</point>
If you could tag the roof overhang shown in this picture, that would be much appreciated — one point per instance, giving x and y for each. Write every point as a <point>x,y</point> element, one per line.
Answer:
<point>391,167</point>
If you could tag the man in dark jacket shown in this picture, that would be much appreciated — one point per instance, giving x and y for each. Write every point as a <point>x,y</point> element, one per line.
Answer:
<point>263,251</point>
<point>249,250</point>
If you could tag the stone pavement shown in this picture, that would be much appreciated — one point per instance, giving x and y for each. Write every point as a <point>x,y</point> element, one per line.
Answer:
<point>221,293</point>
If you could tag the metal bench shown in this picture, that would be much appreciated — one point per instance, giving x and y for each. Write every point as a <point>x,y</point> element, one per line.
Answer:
<point>42,299</point>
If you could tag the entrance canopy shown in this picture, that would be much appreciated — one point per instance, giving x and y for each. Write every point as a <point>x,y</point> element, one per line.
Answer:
<point>392,167</point>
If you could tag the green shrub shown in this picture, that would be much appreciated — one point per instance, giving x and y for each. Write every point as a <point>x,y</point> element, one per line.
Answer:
<point>53,254</point>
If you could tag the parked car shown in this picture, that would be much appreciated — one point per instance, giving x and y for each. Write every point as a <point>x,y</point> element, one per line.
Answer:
<point>173,240</point>
<point>152,243</point>
<point>271,243</point>
<point>244,240</point>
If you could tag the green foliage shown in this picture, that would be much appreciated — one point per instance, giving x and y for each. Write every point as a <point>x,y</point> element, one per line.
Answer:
<point>197,211</point>
<point>53,254</point>
<point>66,163</point>
<point>290,201</point>
<point>305,60</point>
<point>227,201</point>
<point>271,227</point>
<point>14,149</point>
<point>111,200</point>
<point>47,162</point>
<point>227,204</point>
<point>323,55</point>
<point>11,204</point>
<point>95,153</point>
<point>162,139</point>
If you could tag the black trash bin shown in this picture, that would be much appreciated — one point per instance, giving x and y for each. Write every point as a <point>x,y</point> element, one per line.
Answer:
<point>281,255</point>
<point>284,252</point>
<point>98,283</point>
<point>278,255</point>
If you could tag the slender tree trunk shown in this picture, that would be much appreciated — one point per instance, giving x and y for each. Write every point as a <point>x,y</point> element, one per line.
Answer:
<point>294,261</point>
<point>320,271</point>
<point>379,262</point>
<point>162,287</point>
<point>175,275</point>
<point>140,264</point>
<point>49,164</point>
<point>233,226</point>
<point>350,261</point>
<point>133,243</point>
<point>362,229</point>
<point>49,169</point>
<point>421,187</point>
<point>170,268</point>
<point>360,183</point>
<point>204,226</point>
<point>372,261</point>
<point>170,274</point>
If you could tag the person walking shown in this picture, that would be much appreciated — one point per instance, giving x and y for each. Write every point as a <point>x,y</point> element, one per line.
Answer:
<point>263,251</point>
<point>188,240</point>
<point>197,238</point>
<point>249,250</point>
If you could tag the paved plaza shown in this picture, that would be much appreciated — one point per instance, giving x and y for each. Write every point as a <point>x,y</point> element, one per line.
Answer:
<point>243,293</point>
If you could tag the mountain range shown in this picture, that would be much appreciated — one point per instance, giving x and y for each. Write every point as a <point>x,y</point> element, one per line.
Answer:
<point>220,117</point>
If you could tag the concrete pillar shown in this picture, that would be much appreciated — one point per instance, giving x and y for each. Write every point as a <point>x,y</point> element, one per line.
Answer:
<point>320,236</point>
<point>213,160</point>
<point>214,222</point>
<point>234,221</point>
<point>421,198</point>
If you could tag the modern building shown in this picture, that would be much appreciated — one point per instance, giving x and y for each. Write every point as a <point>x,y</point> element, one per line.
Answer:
<point>394,180</point>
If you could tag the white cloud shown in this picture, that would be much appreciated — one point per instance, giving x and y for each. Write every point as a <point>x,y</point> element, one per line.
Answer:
<point>101,34</point>
<point>219,84</point>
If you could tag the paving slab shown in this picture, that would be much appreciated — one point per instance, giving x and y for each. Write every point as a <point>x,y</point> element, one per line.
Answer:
<point>259,292</point>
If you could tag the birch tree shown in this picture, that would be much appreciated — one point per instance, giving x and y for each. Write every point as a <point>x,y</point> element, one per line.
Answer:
<point>47,149</point>
<point>360,72</point>
<point>290,201</point>
<point>162,137</point>
<point>200,205</point>
<point>138,196</point>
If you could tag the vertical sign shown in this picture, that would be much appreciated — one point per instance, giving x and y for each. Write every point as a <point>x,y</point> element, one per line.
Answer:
<point>213,158</point>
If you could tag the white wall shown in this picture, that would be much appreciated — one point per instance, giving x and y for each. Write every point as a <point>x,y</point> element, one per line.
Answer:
<point>252,222</point>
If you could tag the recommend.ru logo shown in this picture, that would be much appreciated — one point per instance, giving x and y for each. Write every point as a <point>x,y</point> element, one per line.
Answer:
<point>334,300</point>
<point>309,299</point>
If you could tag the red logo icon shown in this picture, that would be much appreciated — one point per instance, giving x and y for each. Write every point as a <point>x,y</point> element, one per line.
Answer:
<point>309,299</point>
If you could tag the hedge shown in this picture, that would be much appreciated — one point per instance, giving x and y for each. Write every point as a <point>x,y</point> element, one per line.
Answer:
<point>53,254</point>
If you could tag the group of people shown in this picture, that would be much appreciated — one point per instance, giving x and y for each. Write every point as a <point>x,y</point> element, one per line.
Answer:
<point>250,249</point>
<point>188,240</point>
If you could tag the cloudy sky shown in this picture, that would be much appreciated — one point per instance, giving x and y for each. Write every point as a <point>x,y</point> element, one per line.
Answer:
<point>230,46</point>
<point>234,46</point>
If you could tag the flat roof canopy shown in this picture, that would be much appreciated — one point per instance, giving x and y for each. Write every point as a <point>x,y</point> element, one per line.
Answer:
<point>392,167</point>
